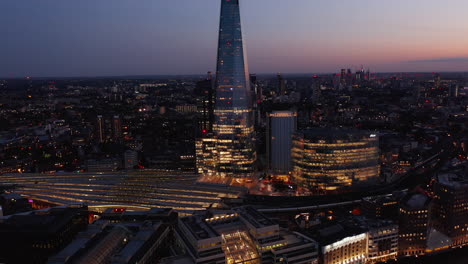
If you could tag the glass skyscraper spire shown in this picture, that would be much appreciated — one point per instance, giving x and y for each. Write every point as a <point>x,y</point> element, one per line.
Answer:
<point>233,155</point>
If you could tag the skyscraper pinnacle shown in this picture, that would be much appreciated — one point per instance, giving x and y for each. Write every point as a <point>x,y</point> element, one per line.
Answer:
<point>233,154</point>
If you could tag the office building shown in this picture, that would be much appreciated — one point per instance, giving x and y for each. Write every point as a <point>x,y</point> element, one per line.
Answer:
<point>130,159</point>
<point>330,160</point>
<point>205,104</point>
<point>186,109</point>
<point>382,241</point>
<point>381,207</point>
<point>281,126</point>
<point>437,80</point>
<point>316,90</point>
<point>120,237</point>
<point>281,85</point>
<point>343,79</point>
<point>449,214</point>
<point>413,222</point>
<point>117,128</point>
<point>234,154</point>
<point>340,243</point>
<point>454,90</point>
<point>242,235</point>
<point>100,129</point>
<point>34,236</point>
<point>360,75</point>
<point>103,165</point>
<point>257,94</point>
<point>205,152</point>
<point>256,88</point>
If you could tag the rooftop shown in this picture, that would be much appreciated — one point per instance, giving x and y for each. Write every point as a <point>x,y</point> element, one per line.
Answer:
<point>453,180</point>
<point>146,189</point>
<point>333,133</point>
<point>254,217</point>
<point>416,201</point>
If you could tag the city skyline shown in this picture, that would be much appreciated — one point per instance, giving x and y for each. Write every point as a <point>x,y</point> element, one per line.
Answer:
<point>135,156</point>
<point>97,39</point>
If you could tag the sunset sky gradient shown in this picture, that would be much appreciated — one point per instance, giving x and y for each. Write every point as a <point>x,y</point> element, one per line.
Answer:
<point>124,37</point>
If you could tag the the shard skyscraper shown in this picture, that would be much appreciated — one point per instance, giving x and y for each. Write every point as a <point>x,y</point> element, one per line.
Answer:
<point>233,155</point>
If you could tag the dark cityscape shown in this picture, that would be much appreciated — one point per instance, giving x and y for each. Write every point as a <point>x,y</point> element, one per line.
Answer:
<point>227,164</point>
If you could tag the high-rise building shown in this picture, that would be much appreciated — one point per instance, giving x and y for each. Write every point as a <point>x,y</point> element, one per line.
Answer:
<point>343,79</point>
<point>117,127</point>
<point>281,126</point>
<point>281,85</point>
<point>454,91</point>
<point>205,105</point>
<point>413,220</point>
<point>316,90</point>
<point>360,75</point>
<point>100,129</point>
<point>332,160</point>
<point>437,80</point>
<point>418,92</point>
<point>234,152</point>
<point>368,75</point>
<point>449,214</point>
<point>257,88</point>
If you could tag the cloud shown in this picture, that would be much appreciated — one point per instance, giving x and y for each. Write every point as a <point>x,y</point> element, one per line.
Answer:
<point>441,60</point>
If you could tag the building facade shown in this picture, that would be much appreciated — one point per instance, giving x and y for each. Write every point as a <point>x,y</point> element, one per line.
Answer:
<point>350,249</point>
<point>242,235</point>
<point>234,154</point>
<point>449,214</point>
<point>205,105</point>
<point>281,126</point>
<point>326,160</point>
<point>383,242</point>
<point>34,236</point>
<point>121,237</point>
<point>413,225</point>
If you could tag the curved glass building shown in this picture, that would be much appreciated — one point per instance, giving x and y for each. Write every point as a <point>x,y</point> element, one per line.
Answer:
<point>327,160</point>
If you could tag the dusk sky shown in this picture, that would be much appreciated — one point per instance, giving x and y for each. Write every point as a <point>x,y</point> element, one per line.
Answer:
<point>124,37</point>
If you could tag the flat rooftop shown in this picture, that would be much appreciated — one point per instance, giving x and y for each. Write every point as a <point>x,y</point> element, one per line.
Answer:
<point>453,180</point>
<point>254,217</point>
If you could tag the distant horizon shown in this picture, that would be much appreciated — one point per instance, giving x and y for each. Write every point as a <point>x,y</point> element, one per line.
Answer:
<point>214,73</point>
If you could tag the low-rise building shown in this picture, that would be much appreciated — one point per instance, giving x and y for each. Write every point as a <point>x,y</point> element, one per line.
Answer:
<point>341,243</point>
<point>122,237</point>
<point>242,235</point>
<point>383,241</point>
<point>34,236</point>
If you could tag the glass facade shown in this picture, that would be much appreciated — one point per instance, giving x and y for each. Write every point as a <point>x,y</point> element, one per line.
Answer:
<point>234,155</point>
<point>282,124</point>
<point>330,160</point>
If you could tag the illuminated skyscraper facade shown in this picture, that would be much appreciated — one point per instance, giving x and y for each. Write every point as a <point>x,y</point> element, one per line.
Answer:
<point>281,126</point>
<point>327,160</point>
<point>234,155</point>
